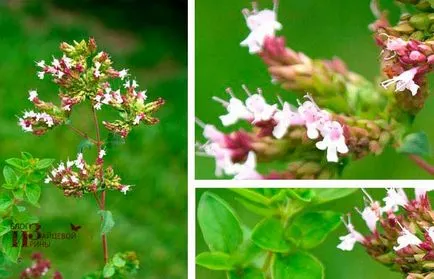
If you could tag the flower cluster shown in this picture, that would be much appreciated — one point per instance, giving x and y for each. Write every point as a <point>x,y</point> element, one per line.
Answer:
<point>77,177</point>
<point>39,269</point>
<point>318,124</point>
<point>83,73</point>
<point>401,232</point>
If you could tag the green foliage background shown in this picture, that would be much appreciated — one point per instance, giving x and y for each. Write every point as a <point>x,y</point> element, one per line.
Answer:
<point>321,29</point>
<point>150,40</point>
<point>338,264</point>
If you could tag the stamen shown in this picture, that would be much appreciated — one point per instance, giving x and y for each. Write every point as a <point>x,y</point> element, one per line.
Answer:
<point>230,92</point>
<point>200,123</point>
<point>367,195</point>
<point>221,101</point>
<point>375,8</point>
<point>246,90</point>
<point>280,100</point>
<point>276,6</point>
<point>254,7</point>
<point>259,90</point>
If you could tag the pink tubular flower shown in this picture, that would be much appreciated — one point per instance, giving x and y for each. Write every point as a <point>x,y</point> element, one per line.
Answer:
<point>314,117</point>
<point>247,170</point>
<point>333,140</point>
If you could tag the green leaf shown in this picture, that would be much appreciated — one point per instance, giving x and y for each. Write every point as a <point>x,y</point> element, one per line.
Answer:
<point>330,194</point>
<point>263,211</point>
<point>432,3</point>
<point>304,195</point>
<point>300,265</point>
<point>416,143</point>
<point>5,201</point>
<point>15,162</point>
<point>4,229</point>
<point>18,193</point>
<point>26,155</point>
<point>107,221</point>
<point>108,270</point>
<point>114,140</point>
<point>311,229</point>
<point>269,235</point>
<point>84,144</point>
<point>248,273</point>
<point>251,195</point>
<point>22,216</point>
<point>118,261</point>
<point>220,227</point>
<point>44,163</point>
<point>9,175</point>
<point>215,261</point>
<point>33,193</point>
<point>10,251</point>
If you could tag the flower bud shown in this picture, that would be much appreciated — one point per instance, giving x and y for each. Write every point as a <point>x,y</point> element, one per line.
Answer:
<point>420,21</point>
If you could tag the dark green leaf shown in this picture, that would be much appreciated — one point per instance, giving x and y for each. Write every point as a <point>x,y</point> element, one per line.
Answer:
<point>220,227</point>
<point>9,175</point>
<point>215,261</point>
<point>251,195</point>
<point>269,235</point>
<point>300,265</point>
<point>311,229</point>
<point>107,221</point>
<point>330,194</point>
<point>4,229</point>
<point>108,270</point>
<point>11,248</point>
<point>33,192</point>
<point>44,163</point>
<point>114,140</point>
<point>15,162</point>
<point>416,143</point>
<point>249,273</point>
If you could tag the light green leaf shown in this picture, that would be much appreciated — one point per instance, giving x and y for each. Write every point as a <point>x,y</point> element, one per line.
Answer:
<point>330,194</point>
<point>269,235</point>
<point>26,155</point>
<point>220,227</point>
<point>33,193</point>
<point>215,261</point>
<point>18,193</point>
<point>15,162</point>
<point>84,144</point>
<point>300,265</point>
<point>311,229</point>
<point>9,175</point>
<point>4,229</point>
<point>44,163</point>
<point>107,221</point>
<point>11,247</point>
<point>251,195</point>
<point>304,195</point>
<point>118,261</point>
<point>255,208</point>
<point>5,201</point>
<point>248,273</point>
<point>108,270</point>
<point>417,144</point>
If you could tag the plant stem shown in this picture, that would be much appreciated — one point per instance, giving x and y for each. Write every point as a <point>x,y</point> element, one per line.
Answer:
<point>101,202</point>
<point>81,133</point>
<point>422,163</point>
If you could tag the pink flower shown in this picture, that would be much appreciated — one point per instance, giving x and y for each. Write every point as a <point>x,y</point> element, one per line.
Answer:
<point>333,140</point>
<point>404,81</point>
<point>313,116</point>
<point>261,111</point>
<point>348,241</point>
<point>247,170</point>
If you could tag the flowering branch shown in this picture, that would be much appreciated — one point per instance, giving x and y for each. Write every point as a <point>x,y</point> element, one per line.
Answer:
<point>343,117</point>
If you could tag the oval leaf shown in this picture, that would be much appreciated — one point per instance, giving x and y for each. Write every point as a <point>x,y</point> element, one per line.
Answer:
<point>416,143</point>
<point>107,221</point>
<point>252,195</point>
<point>33,193</point>
<point>248,273</point>
<point>311,229</point>
<point>330,194</point>
<point>269,235</point>
<point>220,227</point>
<point>12,247</point>
<point>215,261</point>
<point>44,163</point>
<point>15,162</point>
<point>300,265</point>
<point>9,175</point>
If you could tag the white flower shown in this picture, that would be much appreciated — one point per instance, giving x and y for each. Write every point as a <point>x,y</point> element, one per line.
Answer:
<point>403,81</point>
<point>333,140</point>
<point>394,199</point>
<point>262,24</point>
<point>74,179</point>
<point>261,111</point>
<point>134,84</point>
<point>41,64</point>
<point>25,126</point>
<point>211,133</point>
<point>67,61</point>
<point>60,74</point>
<point>371,217</point>
<point>420,193</point>
<point>55,63</point>
<point>123,74</point>
<point>125,189</point>
<point>236,111</point>
<point>41,75</point>
<point>69,164</point>
<point>222,158</point>
<point>96,72</point>
<point>314,117</point>
<point>284,119</point>
<point>47,180</point>
<point>64,180</point>
<point>246,170</point>
<point>430,232</point>
<point>348,241</point>
<point>406,238</point>
<point>67,107</point>
<point>79,162</point>
<point>32,95</point>
<point>101,153</point>
<point>137,119</point>
<point>127,84</point>
<point>97,106</point>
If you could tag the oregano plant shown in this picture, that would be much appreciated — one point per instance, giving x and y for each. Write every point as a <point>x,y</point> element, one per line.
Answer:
<point>339,117</point>
<point>279,245</point>
<point>85,78</point>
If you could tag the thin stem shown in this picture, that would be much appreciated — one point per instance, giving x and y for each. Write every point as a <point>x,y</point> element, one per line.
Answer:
<point>81,133</point>
<point>103,195</point>
<point>267,262</point>
<point>422,163</point>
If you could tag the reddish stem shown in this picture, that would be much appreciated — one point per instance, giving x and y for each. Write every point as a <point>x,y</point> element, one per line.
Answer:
<point>422,163</point>
<point>101,202</point>
<point>81,133</point>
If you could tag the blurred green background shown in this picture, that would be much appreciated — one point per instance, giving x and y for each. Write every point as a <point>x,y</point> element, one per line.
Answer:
<point>149,38</point>
<point>321,29</point>
<point>356,264</point>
